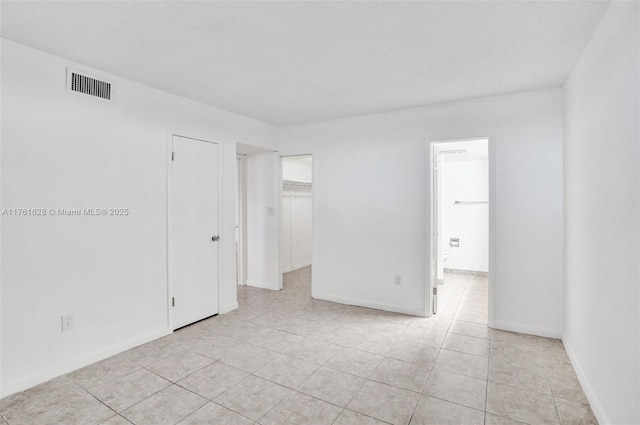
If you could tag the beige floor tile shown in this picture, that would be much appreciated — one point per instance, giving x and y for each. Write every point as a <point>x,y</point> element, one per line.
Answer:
<point>373,343</point>
<point>58,401</point>
<point>151,352</point>
<point>525,376</point>
<point>470,329</point>
<point>205,347</point>
<point>299,326</point>
<point>271,325</point>
<point>567,388</point>
<point>355,362</point>
<point>334,334</point>
<point>462,363</point>
<point>398,373</point>
<point>491,419</point>
<point>347,417</point>
<point>313,350</point>
<point>471,316</point>
<point>467,344</point>
<point>520,404</point>
<point>423,355</point>
<point>116,420</point>
<point>287,371</point>
<point>179,365</point>
<point>435,323</point>
<point>166,407</point>
<point>247,357</point>
<point>461,389</point>
<point>213,380</point>
<point>103,371</point>
<point>253,397</point>
<point>271,319</point>
<point>332,386</point>
<point>214,414</point>
<point>433,411</point>
<point>298,409</point>
<point>572,413</point>
<point>515,338</point>
<point>278,340</point>
<point>124,392</point>
<point>419,335</point>
<point>384,402</point>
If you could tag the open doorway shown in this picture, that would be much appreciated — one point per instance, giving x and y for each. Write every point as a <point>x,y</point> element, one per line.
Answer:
<point>460,230</point>
<point>296,230</point>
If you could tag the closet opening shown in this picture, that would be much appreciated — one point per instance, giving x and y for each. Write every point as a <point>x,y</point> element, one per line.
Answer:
<point>460,230</point>
<point>296,230</point>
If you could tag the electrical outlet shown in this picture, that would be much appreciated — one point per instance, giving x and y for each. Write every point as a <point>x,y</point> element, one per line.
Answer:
<point>270,211</point>
<point>67,322</point>
<point>398,280</point>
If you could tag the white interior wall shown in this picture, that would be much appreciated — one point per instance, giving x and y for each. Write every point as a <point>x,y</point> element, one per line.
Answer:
<point>296,225</point>
<point>602,215</point>
<point>67,151</point>
<point>370,191</point>
<point>466,181</point>
<point>263,212</point>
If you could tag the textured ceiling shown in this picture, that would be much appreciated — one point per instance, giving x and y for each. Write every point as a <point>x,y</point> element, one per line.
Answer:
<point>294,62</point>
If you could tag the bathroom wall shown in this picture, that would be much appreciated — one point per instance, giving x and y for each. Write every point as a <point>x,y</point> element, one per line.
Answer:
<point>466,181</point>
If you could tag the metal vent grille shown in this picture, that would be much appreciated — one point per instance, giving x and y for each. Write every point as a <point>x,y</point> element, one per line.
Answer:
<point>79,83</point>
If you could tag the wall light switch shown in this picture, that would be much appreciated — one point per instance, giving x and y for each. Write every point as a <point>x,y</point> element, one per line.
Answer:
<point>270,211</point>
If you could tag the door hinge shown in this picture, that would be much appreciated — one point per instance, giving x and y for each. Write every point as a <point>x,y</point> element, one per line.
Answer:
<point>435,299</point>
<point>173,156</point>
<point>173,301</point>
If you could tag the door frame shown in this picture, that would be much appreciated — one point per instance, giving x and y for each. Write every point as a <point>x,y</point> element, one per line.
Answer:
<point>313,214</point>
<point>241,205</point>
<point>169,218</point>
<point>431,223</point>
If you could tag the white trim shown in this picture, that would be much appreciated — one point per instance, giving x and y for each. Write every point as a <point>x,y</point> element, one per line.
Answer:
<point>348,301</point>
<point>242,219</point>
<point>596,407</point>
<point>37,378</point>
<point>526,329</point>
<point>262,285</point>
<point>226,308</point>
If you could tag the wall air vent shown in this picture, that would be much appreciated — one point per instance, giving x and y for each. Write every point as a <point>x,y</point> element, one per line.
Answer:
<point>81,83</point>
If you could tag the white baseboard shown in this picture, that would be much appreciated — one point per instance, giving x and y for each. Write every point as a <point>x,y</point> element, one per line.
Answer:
<point>369,304</point>
<point>263,285</point>
<point>296,267</point>
<point>45,375</point>
<point>596,406</point>
<point>525,329</point>
<point>228,307</point>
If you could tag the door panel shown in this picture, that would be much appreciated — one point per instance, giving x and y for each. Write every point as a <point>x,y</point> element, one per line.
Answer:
<point>194,253</point>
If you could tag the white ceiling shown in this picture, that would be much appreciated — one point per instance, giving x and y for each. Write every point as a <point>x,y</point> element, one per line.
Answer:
<point>294,62</point>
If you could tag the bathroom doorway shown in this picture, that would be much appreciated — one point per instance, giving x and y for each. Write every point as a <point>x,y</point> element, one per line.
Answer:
<point>460,229</point>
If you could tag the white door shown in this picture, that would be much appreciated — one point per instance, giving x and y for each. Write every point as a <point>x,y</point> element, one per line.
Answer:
<point>194,230</point>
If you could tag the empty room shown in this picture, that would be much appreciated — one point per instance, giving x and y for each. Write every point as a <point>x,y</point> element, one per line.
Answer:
<point>320,212</point>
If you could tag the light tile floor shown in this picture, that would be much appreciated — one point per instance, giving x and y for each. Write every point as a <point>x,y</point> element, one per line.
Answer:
<point>284,358</point>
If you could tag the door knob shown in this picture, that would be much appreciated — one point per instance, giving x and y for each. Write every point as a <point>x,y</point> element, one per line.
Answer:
<point>215,238</point>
